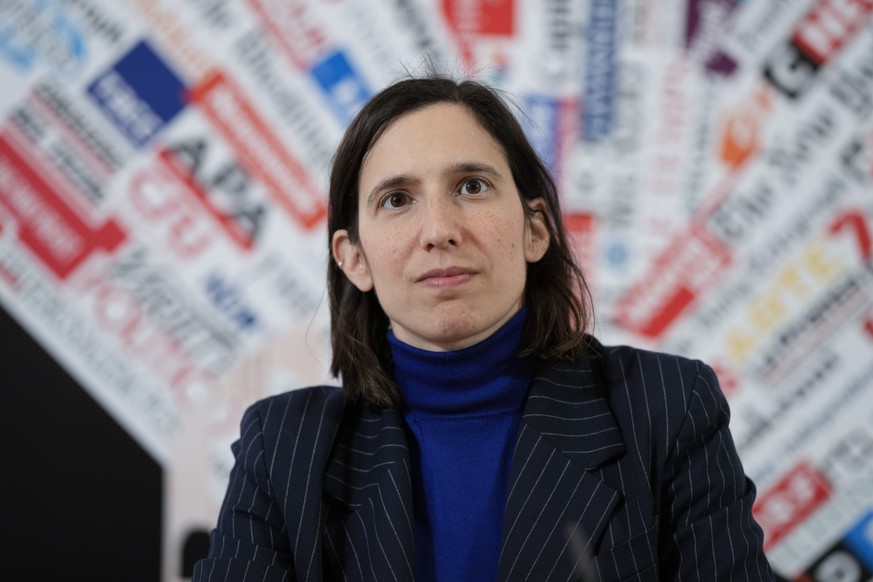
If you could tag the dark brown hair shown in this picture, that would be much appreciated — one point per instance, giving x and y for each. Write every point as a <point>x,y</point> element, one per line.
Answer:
<point>556,296</point>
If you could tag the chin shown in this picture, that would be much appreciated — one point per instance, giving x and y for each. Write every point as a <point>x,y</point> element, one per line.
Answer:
<point>460,334</point>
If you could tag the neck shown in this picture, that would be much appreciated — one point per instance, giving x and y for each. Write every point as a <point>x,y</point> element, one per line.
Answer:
<point>488,376</point>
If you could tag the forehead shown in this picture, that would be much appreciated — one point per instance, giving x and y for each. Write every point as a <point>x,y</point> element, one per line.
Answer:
<point>435,137</point>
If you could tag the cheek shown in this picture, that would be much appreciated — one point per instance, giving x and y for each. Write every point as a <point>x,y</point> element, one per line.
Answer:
<point>384,256</point>
<point>510,242</point>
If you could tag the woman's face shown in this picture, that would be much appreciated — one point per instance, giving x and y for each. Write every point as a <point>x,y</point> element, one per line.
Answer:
<point>443,236</point>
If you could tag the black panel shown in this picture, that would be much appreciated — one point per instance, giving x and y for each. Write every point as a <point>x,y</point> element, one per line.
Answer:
<point>80,499</point>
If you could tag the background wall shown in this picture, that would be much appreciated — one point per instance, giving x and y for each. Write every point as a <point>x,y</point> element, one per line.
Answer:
<point>162,205</point>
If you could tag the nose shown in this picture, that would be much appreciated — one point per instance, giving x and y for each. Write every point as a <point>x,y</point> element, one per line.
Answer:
<point>440,224</point>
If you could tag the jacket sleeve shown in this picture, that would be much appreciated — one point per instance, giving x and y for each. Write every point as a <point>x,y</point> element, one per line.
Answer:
<point>250,542</point>
<point>706,515</point>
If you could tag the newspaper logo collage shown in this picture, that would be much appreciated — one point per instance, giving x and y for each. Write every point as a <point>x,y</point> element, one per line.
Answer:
<point>163,173</point>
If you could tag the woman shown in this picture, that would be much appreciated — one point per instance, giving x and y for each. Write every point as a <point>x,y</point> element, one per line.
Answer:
<point>480,433</point>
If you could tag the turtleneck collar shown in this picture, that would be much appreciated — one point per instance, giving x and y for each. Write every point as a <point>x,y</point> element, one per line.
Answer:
<point>485,378</point>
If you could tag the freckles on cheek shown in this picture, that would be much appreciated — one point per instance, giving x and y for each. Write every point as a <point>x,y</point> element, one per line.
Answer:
<point>389,256</point>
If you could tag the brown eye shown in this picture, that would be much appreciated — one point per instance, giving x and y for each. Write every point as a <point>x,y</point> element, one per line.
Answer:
<point>395,200</point>
<point>474,186</point>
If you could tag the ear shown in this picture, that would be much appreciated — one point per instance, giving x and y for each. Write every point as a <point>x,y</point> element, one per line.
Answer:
<point>536,231</point>
<point>351,260</point>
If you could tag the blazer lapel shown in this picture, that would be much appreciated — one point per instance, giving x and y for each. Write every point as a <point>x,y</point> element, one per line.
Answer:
<point>567,430</point>
<point>368,531</point>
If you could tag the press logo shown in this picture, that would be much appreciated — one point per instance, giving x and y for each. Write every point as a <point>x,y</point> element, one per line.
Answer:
<point>140,94</point>
<point>818,37</point>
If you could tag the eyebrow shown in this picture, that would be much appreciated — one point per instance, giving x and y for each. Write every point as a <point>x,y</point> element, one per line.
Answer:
<point>457,168</point>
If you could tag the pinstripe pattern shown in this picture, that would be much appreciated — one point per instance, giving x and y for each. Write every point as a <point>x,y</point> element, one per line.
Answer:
<point>631,449</point>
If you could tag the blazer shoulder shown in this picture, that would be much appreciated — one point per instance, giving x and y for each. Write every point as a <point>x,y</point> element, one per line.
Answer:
<point>297,402</point>
<point>656,369</point>
<point>301,412</point>
<point>649,358</point>
<point>656,387</point>
<point>627,365</point>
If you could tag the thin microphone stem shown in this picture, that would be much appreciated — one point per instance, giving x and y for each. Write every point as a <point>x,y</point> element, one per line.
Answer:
<point>584,567</point>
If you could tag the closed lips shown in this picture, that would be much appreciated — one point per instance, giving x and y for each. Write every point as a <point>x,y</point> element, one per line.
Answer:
<point>445,273</point>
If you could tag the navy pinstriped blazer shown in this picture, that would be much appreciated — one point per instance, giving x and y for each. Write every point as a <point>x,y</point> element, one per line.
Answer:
<point>632,448</point>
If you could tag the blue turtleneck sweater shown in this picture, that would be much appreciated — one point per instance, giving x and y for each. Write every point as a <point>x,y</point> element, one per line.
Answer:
<point>463,409</point>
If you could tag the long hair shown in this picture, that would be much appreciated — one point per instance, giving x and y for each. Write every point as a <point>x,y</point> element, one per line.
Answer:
<point>556,296</point>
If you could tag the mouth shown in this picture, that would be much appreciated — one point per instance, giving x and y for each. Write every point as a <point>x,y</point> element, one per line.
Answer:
<point>449,277</point>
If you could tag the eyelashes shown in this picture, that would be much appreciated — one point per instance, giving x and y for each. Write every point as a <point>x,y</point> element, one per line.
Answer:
<point>398,199</point>
<point>394,200</point>
<point>480,185</point>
